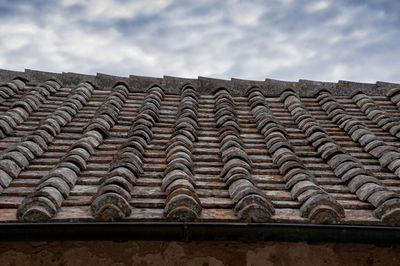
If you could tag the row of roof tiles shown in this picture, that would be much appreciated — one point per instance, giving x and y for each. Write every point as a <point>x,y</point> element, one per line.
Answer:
<point>172,85</point>
<point>115,189</point>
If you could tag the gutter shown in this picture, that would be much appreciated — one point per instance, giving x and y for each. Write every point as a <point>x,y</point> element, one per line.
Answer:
<point>247,232</point>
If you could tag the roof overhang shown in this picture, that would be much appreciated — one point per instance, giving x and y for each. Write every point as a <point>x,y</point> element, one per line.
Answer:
<point>174,231</point>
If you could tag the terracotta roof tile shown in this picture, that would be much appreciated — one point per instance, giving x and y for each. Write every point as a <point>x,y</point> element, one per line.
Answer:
<point>88,148</point>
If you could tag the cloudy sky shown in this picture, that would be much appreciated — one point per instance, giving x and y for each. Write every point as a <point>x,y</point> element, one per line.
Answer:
<point>287,39</point>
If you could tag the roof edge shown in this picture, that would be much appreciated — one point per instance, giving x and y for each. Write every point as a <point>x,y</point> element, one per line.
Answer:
<point>248,232</point>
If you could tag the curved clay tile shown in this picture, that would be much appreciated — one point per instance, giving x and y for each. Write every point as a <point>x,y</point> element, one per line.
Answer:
<point>387,155</point>
<point>62,178</point>
<point>21,109</point>
<point>344,166</point>
<point>36,143</point>
<point>189,152</point>
<point>394,96</point>
<point>317,205</point>
<point>182,202</point>
<point>111,201</point>
<point>9,89</point>
<point>371,110</point>
<point>249,201</point>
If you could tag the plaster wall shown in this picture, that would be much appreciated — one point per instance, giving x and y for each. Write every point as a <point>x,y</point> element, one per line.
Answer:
<point>194,253</point>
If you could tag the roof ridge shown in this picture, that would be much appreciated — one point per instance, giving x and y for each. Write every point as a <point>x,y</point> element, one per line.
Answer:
<point>171,84</point>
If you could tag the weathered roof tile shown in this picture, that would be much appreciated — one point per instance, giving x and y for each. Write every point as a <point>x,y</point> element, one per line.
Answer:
<point>195,149</point>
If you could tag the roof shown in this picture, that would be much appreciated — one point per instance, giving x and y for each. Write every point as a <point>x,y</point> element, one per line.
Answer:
<point>81,148</point>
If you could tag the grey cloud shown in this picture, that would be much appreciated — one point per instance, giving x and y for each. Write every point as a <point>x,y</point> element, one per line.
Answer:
<point>321,39</point>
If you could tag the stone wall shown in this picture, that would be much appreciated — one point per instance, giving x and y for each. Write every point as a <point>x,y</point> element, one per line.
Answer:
<point>194,253</point>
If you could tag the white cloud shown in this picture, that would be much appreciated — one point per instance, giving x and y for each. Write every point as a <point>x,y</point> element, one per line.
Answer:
<point>318,6</point>
<point>246,13</point>
<point>106,9</point>
<point>246,39</point>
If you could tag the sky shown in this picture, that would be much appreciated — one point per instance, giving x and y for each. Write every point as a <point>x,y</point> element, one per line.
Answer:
<point>326,40</point>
